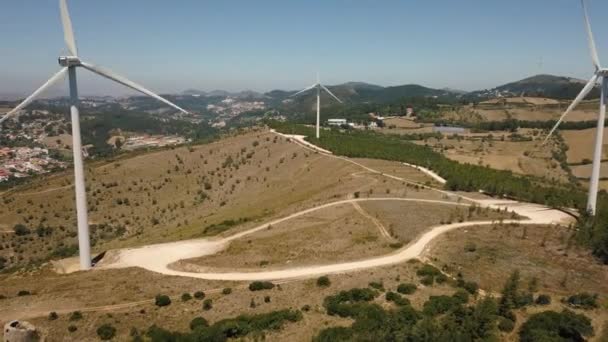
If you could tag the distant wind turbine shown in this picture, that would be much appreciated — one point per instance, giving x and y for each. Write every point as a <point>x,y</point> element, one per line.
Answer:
<point>69,64</point>
<point>599,74</point>
<point>318,86</point>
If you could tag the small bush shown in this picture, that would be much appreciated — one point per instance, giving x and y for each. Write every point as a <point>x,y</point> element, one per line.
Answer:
<point>583,300</point>
<point>470,247</point>
<point>505,324</point>
<point>427,280</point>
<point>543,299</point>
<point>23,293</point>
<point>260,285</point>
<point>407,288</point>
<point>227,291</point>
<point>198,322</point>
<point>72,328</point>
<point>207,304</point>
<point>162,300</point>
<point>462,296</point>
<point>106,332</point>
<point>199,295</point>
<point>441,278</point>
<point>53,316</point>
<point>76,316</point>
<point>471,287</point>
<point>266,299</point>
<point>323,281</point>
<point>377,285</point>
<point>397,299</point>
<point>186,297</point>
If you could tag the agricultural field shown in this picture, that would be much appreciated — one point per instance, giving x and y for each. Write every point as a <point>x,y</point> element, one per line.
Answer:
<point>580,145</point>
<point>520,153</point>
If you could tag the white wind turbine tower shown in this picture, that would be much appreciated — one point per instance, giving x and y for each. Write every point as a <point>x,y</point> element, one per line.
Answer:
<point>318,86</point>
<point>69,64</point>
<point>600,74</point>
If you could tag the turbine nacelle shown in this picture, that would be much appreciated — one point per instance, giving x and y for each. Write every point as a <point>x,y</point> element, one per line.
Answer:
<point>69,61</point>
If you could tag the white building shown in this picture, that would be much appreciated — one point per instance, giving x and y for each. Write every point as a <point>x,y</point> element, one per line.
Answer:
<point>336,122</point>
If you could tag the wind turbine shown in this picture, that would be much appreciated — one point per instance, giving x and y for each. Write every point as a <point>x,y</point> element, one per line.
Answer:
<point>69,64</point>
<point>600,74</point>
<point>318,86</point>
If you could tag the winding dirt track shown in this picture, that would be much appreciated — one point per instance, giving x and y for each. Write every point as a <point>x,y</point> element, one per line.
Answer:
<point>158,258</point>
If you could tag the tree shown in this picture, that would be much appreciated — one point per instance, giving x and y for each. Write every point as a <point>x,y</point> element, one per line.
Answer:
<point>198,322</point>
<point>323,281</point>
<point>21,230</point>
<point>554,326</point>
<point>162,300</point>
<point>106,332</point>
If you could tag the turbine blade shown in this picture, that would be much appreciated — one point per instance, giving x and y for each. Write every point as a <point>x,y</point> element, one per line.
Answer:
<point>34,95</point>
<point>304,90</point>
<point>592,49</point>
<point>330,93</point>
<point>124,81</point>
<point>581,96</point>
<point>68,32</point>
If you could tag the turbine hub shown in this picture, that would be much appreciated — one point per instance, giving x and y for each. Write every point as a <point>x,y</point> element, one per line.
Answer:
<point>69,61</point>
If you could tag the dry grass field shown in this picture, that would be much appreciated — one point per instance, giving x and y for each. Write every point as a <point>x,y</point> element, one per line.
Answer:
<point>584,171</point>
<point>580,144</point>
<point>103,289</point>
<point>173,194</point>
<point>337,234</point>
<point>501,152</point>
<point>490,254</point>
<point>407,220</point>
<point>329,235</point>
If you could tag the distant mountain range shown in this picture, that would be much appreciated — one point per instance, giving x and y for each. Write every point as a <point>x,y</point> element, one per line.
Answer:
<point>558,87</point>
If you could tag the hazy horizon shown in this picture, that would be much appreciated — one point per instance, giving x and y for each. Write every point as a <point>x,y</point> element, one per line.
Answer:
<point>241,45</point>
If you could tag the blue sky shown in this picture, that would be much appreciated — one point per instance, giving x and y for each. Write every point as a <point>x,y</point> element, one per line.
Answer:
<point>173,45</point>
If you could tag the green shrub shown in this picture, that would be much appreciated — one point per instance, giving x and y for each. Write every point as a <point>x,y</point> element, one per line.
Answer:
<point>23,293</point>
<point>407,288</point>
<point>266,299</point>
<point>436,305</point>
<point>186,297</point>
<point>198,322</point>
<point>397,299</point>
<point>53,316</point>
<point>260,285</point>
<point>199,295</point>
<point>323,281</point>
<point>583,300</point>
<point>335,334</point>
<point>76,316</point>
<point>21,230</point>
<point>428,270</point>
<point>427,280</point>
<point>441,278</point>
<point>227,291</point>
<point>162,300</point>
<point>207,304</point>
<point>377,285</point>
<point>72,328</point>
<point>505,324</point>
<point>471,287</point>
<point>462,296</point>
<point>341,304</point>
<point>543,299</point>
<point>554,326</point>
<point>106,332</point>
